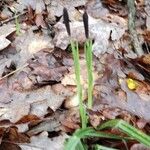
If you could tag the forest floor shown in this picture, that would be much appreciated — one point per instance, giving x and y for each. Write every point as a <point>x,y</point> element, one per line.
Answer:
<point>39,102</point>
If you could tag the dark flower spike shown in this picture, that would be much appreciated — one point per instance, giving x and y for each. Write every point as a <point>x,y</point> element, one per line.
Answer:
<point>86,24</point>
<point>66,21</point>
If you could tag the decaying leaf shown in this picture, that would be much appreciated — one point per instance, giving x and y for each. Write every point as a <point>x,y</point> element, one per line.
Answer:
<point>96,9</point>
<point>139,147</point>
<point>55,8</point>
<point>4,32</point>
<point>37,5</point>
<point>42,141</point>
<point>11,137</point>
<point>27,103</point>
<point>30,43</point>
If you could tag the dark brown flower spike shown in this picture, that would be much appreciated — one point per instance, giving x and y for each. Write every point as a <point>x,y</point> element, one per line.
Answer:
<point>86,24</point>
<point>66,21</point>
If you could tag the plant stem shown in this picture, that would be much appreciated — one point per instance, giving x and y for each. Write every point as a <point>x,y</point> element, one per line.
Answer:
<point>89,61</point>
<point>75,52</point>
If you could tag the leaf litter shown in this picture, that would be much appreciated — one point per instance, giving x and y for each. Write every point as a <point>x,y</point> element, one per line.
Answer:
<point>47,81</point>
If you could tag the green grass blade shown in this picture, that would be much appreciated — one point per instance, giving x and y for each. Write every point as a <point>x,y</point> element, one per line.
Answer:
<point>128,129</point>
<point>75,52</point>
<point>72,142</point>
<point>81,146</point>
<point>75,139</point>
<point>89,62</point>
<point>90,132</point>
<point>99,147</point>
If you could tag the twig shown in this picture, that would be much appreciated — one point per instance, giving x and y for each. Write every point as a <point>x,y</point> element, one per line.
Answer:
<point>12,18</point>
<point>131,25</point>
<point>18,69</point>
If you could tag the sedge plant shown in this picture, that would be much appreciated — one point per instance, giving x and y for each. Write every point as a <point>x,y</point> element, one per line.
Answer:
<point>75,52</point>
<point>89,60</point>
<point>77,140</point>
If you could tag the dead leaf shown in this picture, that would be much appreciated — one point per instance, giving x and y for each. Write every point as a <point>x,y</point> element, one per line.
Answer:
<point>46,74</point>
<point>139,147</point>
<point>55,8</point>
<point>11,137</point>
<point>141,123</point>
<point>96,9</point>
<point>30,43</point>
<point>50,125</point>
<point>27,118</point>
<point>42,141</point>
<point>39,20</point>
<point>71,120</point>
<point>100,31</point>
<point>37,5</point>
<point>27,100</point>
<point>5,30</point>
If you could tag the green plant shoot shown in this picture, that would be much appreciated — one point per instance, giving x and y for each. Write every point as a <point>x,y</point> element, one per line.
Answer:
<point>89,61</point>
<point>128,129</point>
<point>75,52</point>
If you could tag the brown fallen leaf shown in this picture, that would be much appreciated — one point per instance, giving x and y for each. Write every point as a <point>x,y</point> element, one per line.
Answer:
<point>27,118</point>
<point>71,120</point>
<point>11,138</point>
<point>46,74</point>
<point>39,20</point>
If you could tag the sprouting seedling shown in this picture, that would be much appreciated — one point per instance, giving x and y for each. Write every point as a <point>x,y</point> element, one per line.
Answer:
<point>89,59</point>
<point>75,52</point>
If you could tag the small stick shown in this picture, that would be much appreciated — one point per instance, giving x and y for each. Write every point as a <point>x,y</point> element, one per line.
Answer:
<point>12,18</point>
<point>18,69</point>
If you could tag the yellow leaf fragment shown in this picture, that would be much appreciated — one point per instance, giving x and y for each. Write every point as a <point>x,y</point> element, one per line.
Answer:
<point>132,84</point>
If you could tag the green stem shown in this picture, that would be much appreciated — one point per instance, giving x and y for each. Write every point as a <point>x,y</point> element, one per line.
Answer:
<point>89,60</point>
<point>75,52</point>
